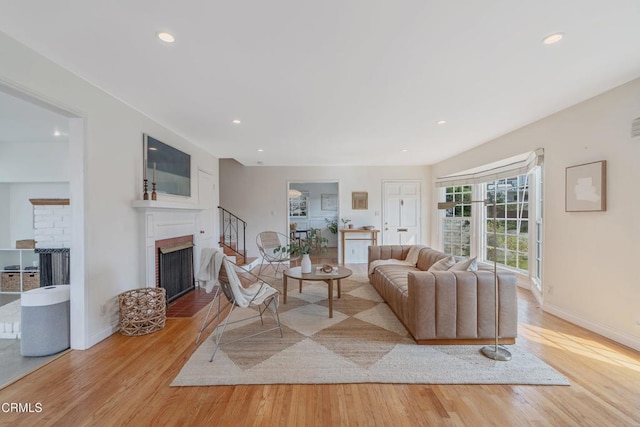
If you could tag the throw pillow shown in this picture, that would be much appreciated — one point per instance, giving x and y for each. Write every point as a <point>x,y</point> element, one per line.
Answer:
<point>443,265</point>
<point>465,265</point>
<point>412,255</point>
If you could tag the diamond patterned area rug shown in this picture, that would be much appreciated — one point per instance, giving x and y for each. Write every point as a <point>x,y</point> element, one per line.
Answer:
<point>364,342</point>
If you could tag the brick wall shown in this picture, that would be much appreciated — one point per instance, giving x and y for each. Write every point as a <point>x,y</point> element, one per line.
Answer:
<point>52,225</point>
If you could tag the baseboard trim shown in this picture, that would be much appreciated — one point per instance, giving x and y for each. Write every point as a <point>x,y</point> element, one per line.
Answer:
<point>103,334</point>
<point>605,331</point>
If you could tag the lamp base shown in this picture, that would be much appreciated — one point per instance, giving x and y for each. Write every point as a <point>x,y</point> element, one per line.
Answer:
<point>496,353</point>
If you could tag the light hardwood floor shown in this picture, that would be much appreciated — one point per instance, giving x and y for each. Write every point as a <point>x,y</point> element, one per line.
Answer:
<point>125,381</point>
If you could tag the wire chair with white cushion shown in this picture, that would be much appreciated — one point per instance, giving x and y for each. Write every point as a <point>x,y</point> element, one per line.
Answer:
<point>273,249</point>
<point>259,295</point>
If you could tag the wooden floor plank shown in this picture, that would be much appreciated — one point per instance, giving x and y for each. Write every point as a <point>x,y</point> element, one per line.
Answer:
<point>125,381</point>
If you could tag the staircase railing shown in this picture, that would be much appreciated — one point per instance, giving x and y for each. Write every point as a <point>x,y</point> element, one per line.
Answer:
<point>233,233</point>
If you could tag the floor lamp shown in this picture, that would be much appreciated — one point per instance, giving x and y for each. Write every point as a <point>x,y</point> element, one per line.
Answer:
<point>495,352</point>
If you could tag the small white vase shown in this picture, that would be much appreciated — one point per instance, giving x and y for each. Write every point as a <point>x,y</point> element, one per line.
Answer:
<point>305,264</point>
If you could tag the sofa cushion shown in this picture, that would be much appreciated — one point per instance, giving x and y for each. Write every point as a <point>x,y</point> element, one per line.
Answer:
<point>414,253</point>
<point>443,264</point>
<point>377,263</point>
<point>428,257</point>
<point>465,265</point>
<point>391,282</point>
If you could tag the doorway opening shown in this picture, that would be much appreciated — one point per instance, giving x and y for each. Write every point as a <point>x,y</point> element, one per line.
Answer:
<point>40,144</point>
<point>314,205</point>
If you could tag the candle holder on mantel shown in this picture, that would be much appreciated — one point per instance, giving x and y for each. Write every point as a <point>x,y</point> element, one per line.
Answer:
<point>153,191</point>
<point>145,186</point>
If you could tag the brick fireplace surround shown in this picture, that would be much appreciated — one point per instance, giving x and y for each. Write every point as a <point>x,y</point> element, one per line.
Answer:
<point>164,224</point>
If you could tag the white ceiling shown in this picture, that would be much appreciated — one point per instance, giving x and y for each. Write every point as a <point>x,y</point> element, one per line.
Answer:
<point>333,82</point>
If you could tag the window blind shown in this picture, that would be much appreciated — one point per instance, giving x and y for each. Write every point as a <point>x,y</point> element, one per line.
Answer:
<point>513,166</point>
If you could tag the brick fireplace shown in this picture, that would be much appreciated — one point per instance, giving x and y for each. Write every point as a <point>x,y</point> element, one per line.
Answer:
<point>163,225</point>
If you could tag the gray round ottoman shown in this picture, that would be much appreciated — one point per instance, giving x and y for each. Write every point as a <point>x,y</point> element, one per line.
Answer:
<point>44,320</point>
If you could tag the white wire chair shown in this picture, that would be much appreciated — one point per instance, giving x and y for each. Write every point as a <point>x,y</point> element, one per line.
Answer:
<point>268,243</point>
<point>258,294</point>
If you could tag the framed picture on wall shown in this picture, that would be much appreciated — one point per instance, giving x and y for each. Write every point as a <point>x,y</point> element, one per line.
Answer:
<point>299,206</point>
<point>166,168</point>
<point>329,202</point>
<point>585,187</point>
<point>359,200</point>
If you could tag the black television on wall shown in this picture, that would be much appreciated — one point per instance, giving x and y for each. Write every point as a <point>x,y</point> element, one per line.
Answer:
<point>169,167</point>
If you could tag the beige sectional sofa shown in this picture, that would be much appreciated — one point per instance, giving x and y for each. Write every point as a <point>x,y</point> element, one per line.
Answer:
<point>444,307</point>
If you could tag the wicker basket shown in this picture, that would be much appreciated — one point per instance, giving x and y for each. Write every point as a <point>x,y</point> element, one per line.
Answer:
<point>30,281</point>
<point>10,282</point>
<point>142,311</point>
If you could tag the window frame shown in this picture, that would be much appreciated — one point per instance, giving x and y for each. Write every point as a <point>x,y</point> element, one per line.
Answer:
<point>449,218</point>
<point>537,250</point>
<point>504,206</point>
<point>478,227</point>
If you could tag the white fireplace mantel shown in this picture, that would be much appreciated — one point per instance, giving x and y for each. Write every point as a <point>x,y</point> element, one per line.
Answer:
<point>161,205</point>
<point>163,220</point>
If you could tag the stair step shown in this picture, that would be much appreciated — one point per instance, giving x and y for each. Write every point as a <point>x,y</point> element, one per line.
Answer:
<point>228,251</point>
<point>240,261</point>
<point>238,258</point>
<point>249,260</point>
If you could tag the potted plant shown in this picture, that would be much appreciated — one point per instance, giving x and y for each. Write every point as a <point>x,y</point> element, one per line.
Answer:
<point>332,225</point>
<point>302,248</point>
<point>317,242</point>
<point>345,222</point>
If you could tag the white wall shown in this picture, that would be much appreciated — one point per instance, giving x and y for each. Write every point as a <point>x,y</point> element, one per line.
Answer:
<point>5,214</point>
<point>110,174</point>
<point>258,194</point>
<point>34,162</point>
<point>590,272</point>
<point>29,170</point>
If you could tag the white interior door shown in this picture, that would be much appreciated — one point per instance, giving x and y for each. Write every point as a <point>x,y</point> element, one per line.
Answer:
<point>204,237</point>
<point>401,215</point>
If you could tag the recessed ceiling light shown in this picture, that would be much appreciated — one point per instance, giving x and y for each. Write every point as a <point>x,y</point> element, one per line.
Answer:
<point>56,133</point>
<point>235,122</point>
<point>553,38</point>
<point>166,37</point>
<point>404,150</point>
<point>441,122</point>
<point>260,150</point>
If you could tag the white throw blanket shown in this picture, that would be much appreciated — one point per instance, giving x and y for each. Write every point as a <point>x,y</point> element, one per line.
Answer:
<point>411,260</point>
<point>210,262</point>
<point>255,293</point>
<point>377,263</point>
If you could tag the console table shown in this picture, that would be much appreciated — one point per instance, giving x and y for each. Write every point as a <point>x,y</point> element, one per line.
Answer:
<point>358,234</point>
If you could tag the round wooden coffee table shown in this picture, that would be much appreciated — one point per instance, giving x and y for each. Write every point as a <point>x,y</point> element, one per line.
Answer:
<point>337,274</point>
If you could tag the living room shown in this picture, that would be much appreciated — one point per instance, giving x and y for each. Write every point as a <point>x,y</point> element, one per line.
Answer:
<point>588,257</point>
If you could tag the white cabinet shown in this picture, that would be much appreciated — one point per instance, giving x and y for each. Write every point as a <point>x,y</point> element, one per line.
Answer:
<point>18,270</point>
